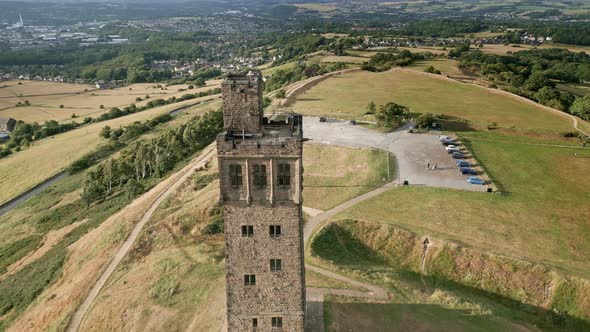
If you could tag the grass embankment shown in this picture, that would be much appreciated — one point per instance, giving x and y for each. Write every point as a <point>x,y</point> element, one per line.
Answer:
<point>463,289</point>
<point>25,232</point>
<point>45,158</point>
<point>173,279</point>
<point>336,174</point>
<point>346,96</point>
<point>46,98</point>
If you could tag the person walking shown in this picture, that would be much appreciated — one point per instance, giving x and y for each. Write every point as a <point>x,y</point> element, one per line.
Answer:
<point>428,166</point>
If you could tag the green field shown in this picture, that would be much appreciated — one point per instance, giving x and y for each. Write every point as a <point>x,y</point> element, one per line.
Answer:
<point>542,217</point>
<point>347,95</point>
<point>336,174</point>
<point>347,316</point>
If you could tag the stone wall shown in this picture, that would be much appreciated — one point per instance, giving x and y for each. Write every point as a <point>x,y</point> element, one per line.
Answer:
<point>242,104</point>
<point>276,293</point>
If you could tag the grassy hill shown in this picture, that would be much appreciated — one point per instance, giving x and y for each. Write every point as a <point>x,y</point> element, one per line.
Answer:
<point>347,95</point>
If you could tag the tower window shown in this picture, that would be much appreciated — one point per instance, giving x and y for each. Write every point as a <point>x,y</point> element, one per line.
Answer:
<point>247,231</point>
<point>260,176</point>
<point>249,280</point>
<point>275,264</point>
<point>254,322</point>
<point>277,321</point>
<point>235,174</point>
<point>284,179</point>
<point>274,231</point>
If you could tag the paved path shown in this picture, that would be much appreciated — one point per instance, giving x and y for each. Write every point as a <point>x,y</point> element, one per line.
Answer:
<point>315,296</point>
<point>176,180</point>
<point>413,152</point>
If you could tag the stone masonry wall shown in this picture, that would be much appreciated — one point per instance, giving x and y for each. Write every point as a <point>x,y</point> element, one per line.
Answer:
<point>242,108</point>
<point>276,293</point>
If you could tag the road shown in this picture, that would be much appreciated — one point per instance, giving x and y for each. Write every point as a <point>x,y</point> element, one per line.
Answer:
<point>11,204</point>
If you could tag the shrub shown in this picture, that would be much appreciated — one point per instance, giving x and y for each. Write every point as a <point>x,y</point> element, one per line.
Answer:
<point>569,134</point>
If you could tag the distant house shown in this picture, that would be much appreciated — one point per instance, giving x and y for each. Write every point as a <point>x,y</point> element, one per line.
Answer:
<point>7,124</point>
<point>104,85</point>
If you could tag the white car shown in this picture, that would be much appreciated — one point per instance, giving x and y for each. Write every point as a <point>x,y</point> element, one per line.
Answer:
<point>451,147</point>
<point>443,138</point>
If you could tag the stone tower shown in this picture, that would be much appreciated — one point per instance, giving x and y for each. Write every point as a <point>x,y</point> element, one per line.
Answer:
<point>260,171</point>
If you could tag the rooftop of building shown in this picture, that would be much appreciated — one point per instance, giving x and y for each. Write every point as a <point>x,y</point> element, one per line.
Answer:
<point>278,127</point>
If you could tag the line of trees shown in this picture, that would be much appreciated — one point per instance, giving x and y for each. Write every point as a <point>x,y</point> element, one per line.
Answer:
<point>151,158</point>
<point>533,73</point>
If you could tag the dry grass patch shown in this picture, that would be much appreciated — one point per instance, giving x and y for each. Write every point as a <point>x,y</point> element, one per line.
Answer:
<point>86,260</point>
<point>345,59</point>
<point>173,279</point>
<point>46,98</point>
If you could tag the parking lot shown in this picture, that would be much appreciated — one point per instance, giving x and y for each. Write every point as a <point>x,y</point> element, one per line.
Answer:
<point>414,152</point>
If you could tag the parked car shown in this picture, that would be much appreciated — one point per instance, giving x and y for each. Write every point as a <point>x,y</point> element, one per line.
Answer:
<point>353,122</point>
<point>451,146</point>
<point>475,180</point>
<point>448,142</point>
<point>449,151</point>
<point>322,119</point>
<point>467,170</point>
<point>463,163</point>
<point>457,155</point>
<point>443,138</point>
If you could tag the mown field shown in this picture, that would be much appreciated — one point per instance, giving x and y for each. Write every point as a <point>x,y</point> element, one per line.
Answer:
<point>49,156</point>
<point>347,96</point>
<point>336,174</point>
<point>46,98</point>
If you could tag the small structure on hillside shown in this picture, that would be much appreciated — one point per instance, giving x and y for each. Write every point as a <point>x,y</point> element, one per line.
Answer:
<point>7,124</point>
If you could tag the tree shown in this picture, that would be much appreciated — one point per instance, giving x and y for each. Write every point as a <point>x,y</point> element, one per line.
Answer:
<point>536,81</point>
<point>425,120</point>
<point>371,108</point>
<point>429,69</point>
<point>105,132</point>
<point>581,107</point>
<point>391,114</point>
